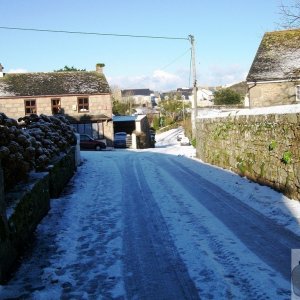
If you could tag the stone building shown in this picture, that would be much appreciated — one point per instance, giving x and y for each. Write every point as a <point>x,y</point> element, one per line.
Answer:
<point>140,97</point>
<point>274,77</point>
<point>84,97</point>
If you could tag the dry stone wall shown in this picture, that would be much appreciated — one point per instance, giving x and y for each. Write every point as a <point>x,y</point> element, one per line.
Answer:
<point>264,148</point>
<point>24,206</point>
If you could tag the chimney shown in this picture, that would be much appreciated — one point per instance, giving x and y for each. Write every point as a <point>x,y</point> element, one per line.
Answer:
<point>99,68</point>
<point>1,70</point>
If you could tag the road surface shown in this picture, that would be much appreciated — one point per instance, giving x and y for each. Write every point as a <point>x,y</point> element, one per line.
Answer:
<point>147,225</point>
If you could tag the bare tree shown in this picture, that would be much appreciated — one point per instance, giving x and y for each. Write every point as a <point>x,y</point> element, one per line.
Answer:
<point>290,15</point>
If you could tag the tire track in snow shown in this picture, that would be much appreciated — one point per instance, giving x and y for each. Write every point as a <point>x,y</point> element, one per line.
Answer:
<point>261,235</point>
<point>152,267</point>
<point>225,260</point>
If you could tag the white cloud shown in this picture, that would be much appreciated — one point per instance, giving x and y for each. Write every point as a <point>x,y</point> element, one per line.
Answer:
<point>17,71</point>
<point>159,80</point>
<point>222,75</point>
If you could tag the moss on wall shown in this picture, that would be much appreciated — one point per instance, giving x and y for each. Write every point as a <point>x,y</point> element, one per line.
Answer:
<point>266,149</point>
<point>27,204</point>
<point>60,173</point>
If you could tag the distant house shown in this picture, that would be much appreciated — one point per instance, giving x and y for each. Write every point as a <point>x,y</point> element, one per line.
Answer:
<point>140,97</point>
<point>274,77</point>
<point>84,97</point>
<point>185,93</point>
<point>204,97</point>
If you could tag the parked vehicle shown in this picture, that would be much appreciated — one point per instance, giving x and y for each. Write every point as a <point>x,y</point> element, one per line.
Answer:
<point>185,141</point>
<point>180,136</point>
<point>120,139</point>
<point>88,143</point>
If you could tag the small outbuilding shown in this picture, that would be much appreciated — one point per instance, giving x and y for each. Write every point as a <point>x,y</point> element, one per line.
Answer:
<point>137,129</point>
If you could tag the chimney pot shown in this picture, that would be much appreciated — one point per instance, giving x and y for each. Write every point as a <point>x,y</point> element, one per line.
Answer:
<point>99,68</point>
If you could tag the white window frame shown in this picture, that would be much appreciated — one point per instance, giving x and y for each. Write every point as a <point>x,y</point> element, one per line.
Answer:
<point>298,93</point>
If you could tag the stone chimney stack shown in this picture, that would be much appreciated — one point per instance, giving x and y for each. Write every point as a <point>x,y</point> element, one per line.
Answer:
<point>99,68</point>
<point>1,70</point>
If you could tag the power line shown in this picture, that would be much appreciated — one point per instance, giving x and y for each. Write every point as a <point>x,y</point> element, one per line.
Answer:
<point>94,33</point>
<point>190,73</point>
<point>175,59</point>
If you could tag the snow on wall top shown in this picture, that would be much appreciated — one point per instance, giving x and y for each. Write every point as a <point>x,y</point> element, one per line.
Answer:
<point>278,57</point>
<point>223,113</point>
<point>55,83</point>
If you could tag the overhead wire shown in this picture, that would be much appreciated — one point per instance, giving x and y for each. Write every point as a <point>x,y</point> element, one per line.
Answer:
<point>106,34</point>
<point>94,33</point>
<point>174,60</point>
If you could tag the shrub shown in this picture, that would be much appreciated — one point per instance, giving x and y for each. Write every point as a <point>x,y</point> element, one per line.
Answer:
<point>227,96</point>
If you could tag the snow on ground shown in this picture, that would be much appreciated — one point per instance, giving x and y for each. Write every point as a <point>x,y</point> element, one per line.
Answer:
<point>273,204</point>
<point>79,251</point>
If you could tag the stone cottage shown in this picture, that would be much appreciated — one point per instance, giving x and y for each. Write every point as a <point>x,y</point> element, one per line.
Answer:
<point>84,97</point>
<point>274,77</point>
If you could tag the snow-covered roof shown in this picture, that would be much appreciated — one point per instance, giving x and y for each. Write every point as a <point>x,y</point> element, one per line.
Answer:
<point>278,57</point>
<point>54,83</point>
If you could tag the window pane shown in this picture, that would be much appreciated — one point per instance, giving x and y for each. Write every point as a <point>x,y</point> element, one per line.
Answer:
<point>30,107</point>
<point>83,104</point>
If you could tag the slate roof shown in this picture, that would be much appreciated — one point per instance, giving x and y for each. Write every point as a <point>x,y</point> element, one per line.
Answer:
<point>54,83</point>
<point>136,92</point>
<point>278,57</point>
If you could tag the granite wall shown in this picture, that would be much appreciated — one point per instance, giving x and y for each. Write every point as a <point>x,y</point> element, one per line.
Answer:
<point>23,207</point>
<point>264,148</point>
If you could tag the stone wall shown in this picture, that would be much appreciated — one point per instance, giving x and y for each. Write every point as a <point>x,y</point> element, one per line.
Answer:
<point>272,93</point>
<point>61,171</point>
<point>24,207</point>
<point>98,105</point>
<point>265,148</point>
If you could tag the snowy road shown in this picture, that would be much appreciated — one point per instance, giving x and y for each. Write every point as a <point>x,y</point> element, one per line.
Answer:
<point>154,225</point>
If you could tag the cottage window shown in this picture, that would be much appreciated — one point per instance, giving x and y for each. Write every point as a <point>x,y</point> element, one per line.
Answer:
<point>30,107</point>
<point>55,106</point>
<point>297,92</point>
<point>83,104</point>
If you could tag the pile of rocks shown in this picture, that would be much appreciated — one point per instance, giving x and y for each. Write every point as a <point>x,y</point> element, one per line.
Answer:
<point>31,144</point>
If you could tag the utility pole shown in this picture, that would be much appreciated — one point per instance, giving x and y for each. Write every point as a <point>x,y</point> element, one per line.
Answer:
<point>194,102</point>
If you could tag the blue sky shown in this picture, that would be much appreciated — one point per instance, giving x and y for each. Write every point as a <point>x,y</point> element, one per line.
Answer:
<point>227,35</point>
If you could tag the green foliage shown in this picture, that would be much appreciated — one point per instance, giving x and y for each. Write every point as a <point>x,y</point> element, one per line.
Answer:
<point>69,69</point>
<point>227,97</point>
<point>194,142</point>
<point>100,65</point>
<point>155,123</point>
<point>272,145</point>
<point>121,108</point>
<point>172,109</point>
<point>287,157</point>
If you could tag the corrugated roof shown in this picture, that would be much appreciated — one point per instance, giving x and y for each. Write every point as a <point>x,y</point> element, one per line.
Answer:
<point>54,83</point>
<point>278,57</point>
<point>123,118</point>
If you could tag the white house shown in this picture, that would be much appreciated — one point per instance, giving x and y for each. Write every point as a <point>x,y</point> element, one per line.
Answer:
<point>204,97</point>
